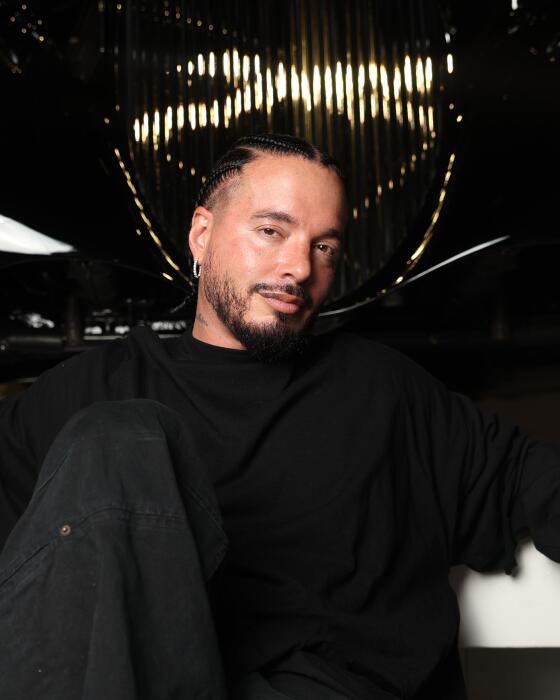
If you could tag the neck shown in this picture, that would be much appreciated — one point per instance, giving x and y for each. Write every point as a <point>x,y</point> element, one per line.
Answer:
<point>208,329</point>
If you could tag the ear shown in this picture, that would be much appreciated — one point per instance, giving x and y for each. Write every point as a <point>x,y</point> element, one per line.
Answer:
<point>199,235</point>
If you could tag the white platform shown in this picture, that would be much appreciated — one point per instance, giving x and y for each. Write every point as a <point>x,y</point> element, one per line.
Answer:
<point>511,611</point>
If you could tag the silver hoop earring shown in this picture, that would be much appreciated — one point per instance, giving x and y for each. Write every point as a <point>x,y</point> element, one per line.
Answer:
<point>196,268</point>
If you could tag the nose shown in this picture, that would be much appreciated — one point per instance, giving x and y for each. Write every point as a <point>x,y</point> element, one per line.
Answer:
<point>295,261</point>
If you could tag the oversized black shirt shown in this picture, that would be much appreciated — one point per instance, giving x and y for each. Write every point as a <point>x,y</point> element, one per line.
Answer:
<point>349,482</point>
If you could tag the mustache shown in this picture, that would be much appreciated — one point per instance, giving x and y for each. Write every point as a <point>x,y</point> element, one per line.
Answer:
<point>292,289</point>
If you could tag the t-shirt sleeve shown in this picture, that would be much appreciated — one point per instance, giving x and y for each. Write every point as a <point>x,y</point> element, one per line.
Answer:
<point>493,484</point>
<point>30,421</point>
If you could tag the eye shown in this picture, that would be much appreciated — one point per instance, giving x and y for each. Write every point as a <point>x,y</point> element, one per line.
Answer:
<point>268,231</point>
<point>327,249</point>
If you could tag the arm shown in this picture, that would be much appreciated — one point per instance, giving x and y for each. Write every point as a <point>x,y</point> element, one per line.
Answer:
<point>492,483</point>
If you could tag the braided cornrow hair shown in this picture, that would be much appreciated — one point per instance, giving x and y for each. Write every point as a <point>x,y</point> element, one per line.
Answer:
<point>247,148</point>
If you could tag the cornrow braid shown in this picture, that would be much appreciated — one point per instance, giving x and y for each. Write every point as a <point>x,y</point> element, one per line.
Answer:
<point>247,148</point>
<point>218,175</point>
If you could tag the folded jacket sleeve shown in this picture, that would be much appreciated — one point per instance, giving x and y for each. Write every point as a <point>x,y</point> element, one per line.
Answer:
<point>492,483</point>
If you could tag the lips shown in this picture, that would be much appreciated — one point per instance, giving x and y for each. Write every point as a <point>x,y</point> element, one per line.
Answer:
<point>286,303</point>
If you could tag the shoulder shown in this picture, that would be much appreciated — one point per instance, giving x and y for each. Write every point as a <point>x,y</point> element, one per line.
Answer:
<point>363,355</point>
<point>369,366</point>
<point>108,357</point>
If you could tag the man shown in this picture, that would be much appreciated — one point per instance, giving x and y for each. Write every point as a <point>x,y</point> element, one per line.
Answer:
<point>311,493</point>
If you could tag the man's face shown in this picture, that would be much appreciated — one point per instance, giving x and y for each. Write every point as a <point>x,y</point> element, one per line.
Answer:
<point>268,252</point>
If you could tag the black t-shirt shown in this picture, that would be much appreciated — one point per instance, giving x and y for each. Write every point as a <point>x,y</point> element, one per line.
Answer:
<point>349,482</point>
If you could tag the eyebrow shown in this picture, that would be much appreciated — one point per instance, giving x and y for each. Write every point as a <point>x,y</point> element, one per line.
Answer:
<point>275,216</point>
<point>285,218</point>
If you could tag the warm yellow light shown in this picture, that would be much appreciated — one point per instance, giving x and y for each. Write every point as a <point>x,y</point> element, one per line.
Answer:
<point>145,127</point>
<point>305,91</point>
<point>459,118</point>
<point>397,82</point>
<point>211,64</point>
<point>215,114</point>
<point>258,91</point>
<point>238,102</point>
<point>236,66</point>
<point>420,75</point>
<point>180,116</point>
<point>155,128</point>
<point>450,63</point>
<point>350,92</point>
<point>429,73</point>
<point>168,122</point>
<point>384,79</point>
<point>179,67</point>
<point>339,87</point>
<point>410,114</point>
<point>431,119</point>
<point>294,84</point>
<point>202,117</point>
<point>408,74</point>
<point>281,82</point>
<point>373,105</point>
<point>190,67</point>
<point>316,86</point>
<point>201,64</point>
<point>361,78</point>
<point>373,76</point>
<point>227,111</point>
<point>398,110</point>
<point>257,63</point>
<point>226,66</point>
<point>192,115</point>
<point>328,88</point>
<point>247,97</point>
<point>269,91</point>
<point>246,68</point>
<point>152,232</point>
<point>361,86</point>
<point>137,130</point>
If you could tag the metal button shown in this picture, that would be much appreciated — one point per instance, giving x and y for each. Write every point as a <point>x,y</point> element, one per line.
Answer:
<point>65,530</point>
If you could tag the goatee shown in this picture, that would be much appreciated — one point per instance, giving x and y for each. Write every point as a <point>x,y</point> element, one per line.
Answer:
<point>269,342</point>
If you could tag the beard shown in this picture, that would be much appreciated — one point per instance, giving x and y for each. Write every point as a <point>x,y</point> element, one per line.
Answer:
<point>269,342</point>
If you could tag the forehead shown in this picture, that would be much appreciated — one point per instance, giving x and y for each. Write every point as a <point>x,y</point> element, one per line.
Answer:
<point>305,189</point>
